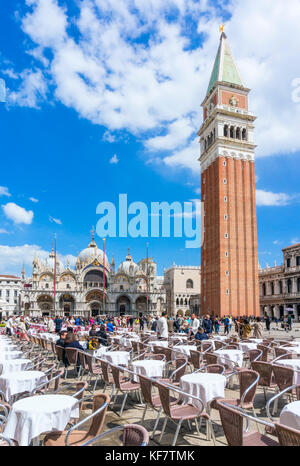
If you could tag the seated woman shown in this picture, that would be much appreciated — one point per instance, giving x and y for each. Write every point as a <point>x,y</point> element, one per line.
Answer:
<point>102,336</point>
<point>71,341</point>
<point>93,331</point>
<point>201,335</point>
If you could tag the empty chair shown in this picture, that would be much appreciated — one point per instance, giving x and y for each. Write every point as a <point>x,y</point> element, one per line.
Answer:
<point>179,412</point>
<point>265,371</point>
<point>232,422</point>
<point>94,370</point>
<point>215,369</point>
<point>133,436</point>
<point>75,437</point>
<point>287,436</point>
<point>123,385</point>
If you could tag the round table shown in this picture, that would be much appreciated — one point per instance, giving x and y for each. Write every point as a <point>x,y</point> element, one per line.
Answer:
<point>245,347</point>
<point>220,337</point>
<point>148,367</point>
<point>127,341</point>
<point>290,415</point>
<point>232,357</point>
<point>117,357</point>
<point>14,365</point>
<point>184,349</point>
<point>20,381</point>
<point>11,355</point>
<point>50,336</point>
<point>203,385</point>
<point>34,415</point>
<point>8,348</point>
<point>162,343</point>
<point>293,364</point>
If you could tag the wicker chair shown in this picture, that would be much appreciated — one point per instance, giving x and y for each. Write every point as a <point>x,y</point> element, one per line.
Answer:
<point>196,358</point>
<point>176,375</point>
<point>287,436</point>
<point>133,436</point>
<point>179,412</point>
<point>94,370</point>
<point>72,358</point>
<point>265,371</point>
<point>75,437</point>
<point>265,352</point>
<point>215,369</point>
<point>232,422</point>
<point>107,378</point>
<point>248,381</point>
<point>150,400</point>
<point>123,385</point>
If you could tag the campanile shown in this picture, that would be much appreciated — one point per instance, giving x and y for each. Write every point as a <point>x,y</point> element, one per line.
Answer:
<point>229,262</point>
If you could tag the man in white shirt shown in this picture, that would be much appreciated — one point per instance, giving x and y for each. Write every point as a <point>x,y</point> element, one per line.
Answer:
<point>195,324</point>
<point>162,326</point>
<point>9,326</point>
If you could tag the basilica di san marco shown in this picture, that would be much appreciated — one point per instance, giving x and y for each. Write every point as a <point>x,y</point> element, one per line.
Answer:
<point>80,291</point>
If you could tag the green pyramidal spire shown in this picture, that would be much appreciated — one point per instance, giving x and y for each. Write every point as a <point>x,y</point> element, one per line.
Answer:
<point>225,69</point>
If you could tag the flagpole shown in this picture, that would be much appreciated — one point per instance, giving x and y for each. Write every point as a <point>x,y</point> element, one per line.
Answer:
<point>104,275</point>
<point>54,273</point>
<point>147,280</point>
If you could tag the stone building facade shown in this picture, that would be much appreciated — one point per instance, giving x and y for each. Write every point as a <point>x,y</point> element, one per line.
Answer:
<point>10,295</point>
<point>181,284</point>
<point>279,286</point>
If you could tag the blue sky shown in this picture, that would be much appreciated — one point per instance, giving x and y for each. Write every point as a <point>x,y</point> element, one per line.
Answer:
<point>90,83</point>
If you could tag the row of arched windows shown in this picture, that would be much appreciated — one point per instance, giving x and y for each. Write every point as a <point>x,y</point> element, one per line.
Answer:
<point>183,302</point>
<point>210,139</point>
<point>235,132</point>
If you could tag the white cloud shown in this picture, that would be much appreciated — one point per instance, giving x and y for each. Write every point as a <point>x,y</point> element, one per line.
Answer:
<point>267,198</point>
<point>55,220</point>
<point>33,199</point>
<point>4,191</point>
<point>17,214</point>
<point>108,137</point>
<point>114,159</point>
<point>12,257</point>
<point>3,231</point>
<point>32,90</point>
<point>111,77</point>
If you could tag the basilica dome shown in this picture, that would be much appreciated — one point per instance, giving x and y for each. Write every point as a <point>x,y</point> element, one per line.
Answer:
<point>128,266</point>
<point>90,254</point>
<point>50,262</point>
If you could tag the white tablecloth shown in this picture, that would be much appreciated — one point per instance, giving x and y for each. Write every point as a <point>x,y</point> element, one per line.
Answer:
<point>149,368</point>
<point>50,336</point>
<point>157,343</point>
<point>100,351</point>
<point>220,337</point>
<point>14,365</point>
<point>290,415</point>
<point>293,364</point>
<point>20,381</point>
<point>205,386</point>
<point>184,349</point>
<point>127,341</point>
<point>235,356</point>
<point>34,415</point>
<point>10,355</point>
<point>10,347</point>
<point>245,347</point>
<point>117,357</point>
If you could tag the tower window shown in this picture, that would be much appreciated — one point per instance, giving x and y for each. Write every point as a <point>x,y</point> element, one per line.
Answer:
<point>227,292</point>
<point>225,217</point>
<point>226,236</point>
<point>227,273</point>
<point>244,134</point>
<point>226,131</point>
<point>231,131</point>
<point>225,198</point>
<point>224,163</point>
<point>226,254</point>
<point>225,181</point>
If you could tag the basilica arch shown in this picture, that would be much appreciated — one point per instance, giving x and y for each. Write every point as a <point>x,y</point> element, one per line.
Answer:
<point>94,301</point>
<point>67,304</point>
<point>45,304</point>
<point>123,305</point>
<point>141,304</point>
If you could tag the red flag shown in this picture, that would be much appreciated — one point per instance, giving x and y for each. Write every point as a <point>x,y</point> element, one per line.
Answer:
<point>103,270</point>
<point>147,275</point>
<point>55,268</point>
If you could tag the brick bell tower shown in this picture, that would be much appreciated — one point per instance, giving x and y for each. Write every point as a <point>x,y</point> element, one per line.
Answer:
<point>229,262</point>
